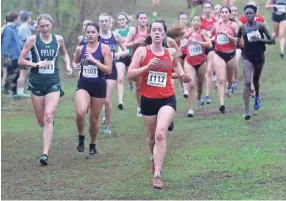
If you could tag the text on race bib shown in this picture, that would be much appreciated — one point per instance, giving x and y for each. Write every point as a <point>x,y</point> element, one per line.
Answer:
<point>50,69</point>
<point>157,79</point>
<point>281,8</point>
<point>90,71</point>
<point>253,34</point>
<point>183,42</point>
<point>195,50</point>
<point>222,39</point>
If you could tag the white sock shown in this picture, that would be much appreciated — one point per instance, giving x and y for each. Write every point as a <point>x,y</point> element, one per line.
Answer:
<point>20,90</point>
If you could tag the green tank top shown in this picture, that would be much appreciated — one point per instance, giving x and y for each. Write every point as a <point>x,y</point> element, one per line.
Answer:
<point>123,34</point>
<point>40,52</point>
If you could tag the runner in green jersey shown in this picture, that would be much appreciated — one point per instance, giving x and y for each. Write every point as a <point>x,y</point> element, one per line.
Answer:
<point>123,63</point>
<point>44,81</point>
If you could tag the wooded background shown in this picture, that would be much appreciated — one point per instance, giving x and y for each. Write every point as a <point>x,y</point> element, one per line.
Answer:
<point>68,15</point>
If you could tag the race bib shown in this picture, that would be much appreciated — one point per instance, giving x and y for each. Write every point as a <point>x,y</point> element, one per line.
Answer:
<point>222,39</point>
<point>252,34</point>
<point>281,8</point>
<point>50,69</point>
<point>183,42</point>
<point>195,50</point>
<point>157,79</point>
<point>90,71</point>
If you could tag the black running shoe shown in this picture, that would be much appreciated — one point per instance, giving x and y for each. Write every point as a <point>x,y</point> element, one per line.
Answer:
<point>80,145</point>
<point>222,109</point>
<point>44,159</point>
<point>171,127</point>
<point>120,106</point>
<point>282,55</point>
<point>92,149</point>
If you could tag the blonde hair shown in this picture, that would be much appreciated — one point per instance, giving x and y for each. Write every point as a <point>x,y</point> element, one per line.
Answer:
<point>45,17</point>
<point>128,18</point>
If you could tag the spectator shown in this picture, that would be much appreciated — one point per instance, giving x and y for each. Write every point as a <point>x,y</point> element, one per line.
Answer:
<point>11,49</point>
<point>24,31</point>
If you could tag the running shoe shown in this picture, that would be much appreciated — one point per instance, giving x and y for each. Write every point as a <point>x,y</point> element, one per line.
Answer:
<point>186,94</point>
<point>201,103</point>
<point>120,106</point>
<point>23,95</point>
<point>80,144</point>
<point>256,103</point>
<point>158,183</point>
<point>139,114</point>
<point>222,109</point>
<point>44,159</point>
<point>191,113</point>
<point>171,127</point>
<point>208,100</point>
<point>103,120</point>
<point>229,92</point>
<point>235,85</point>
<point>92,149</point>
<point>282,54</point>
<point>247,116</point>
<point>106,131</point>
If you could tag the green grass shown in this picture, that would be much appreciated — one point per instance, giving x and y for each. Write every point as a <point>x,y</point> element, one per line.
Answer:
<point>211,156</point>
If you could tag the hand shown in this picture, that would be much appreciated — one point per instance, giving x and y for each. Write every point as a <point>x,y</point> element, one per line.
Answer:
<point>186,78</point>
<point>77,67</point>
<point>89,57</point>
<point>44,64</point>
<point>152,63</point>
<point>255,38</point>
<point>116,56</point>
<point>224,32</point>
<point>139,40</point>
<point>69,69</point>
<point>6,61</point>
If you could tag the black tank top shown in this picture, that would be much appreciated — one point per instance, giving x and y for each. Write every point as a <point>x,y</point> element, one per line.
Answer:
<point>253,47</point>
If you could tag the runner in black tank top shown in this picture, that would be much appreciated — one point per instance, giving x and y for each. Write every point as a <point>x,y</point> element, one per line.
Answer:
<point>111,39</point>
<point>278,21</point>
<point>253,55</point>
<point>94,61</point>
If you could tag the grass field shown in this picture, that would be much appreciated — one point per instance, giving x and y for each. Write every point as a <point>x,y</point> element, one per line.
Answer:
<point>211,156</point>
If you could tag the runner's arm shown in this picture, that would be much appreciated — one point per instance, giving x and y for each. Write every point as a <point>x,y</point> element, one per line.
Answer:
<point>107,66</point>
<point>27,47</point>
<point>122,45</point>
<point>207,43</point>
<point>269,4</point>
<point>64,50</point>
<point>176,64</point>
<point>129,43</point>
<point>268,39</point>
<point>135,70</point>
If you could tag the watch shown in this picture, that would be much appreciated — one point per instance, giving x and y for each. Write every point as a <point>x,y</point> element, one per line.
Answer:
<point>37,65</point>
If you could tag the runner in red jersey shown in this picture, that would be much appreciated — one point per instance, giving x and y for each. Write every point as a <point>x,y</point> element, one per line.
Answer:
<point>225,45</point>
<point>154,64</point>
<point>133,40</point>
<point>183,22</point>
<point>208,23</point>
<point>195,62</point>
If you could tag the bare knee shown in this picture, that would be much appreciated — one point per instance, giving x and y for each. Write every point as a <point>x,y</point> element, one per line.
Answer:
<point>221,81</point>
<point>120,80</point>
<point>93,121</point>
<point>49,117</point>
<point>160,135</point>
<point>80,113</point>
<point>108,102</point>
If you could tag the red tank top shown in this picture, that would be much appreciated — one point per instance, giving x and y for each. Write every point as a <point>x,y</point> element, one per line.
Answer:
<point>156,83</point>
<point>138,35</point>
<point>208,24</point>
<point>196,52</point>
<point>222,42</point>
